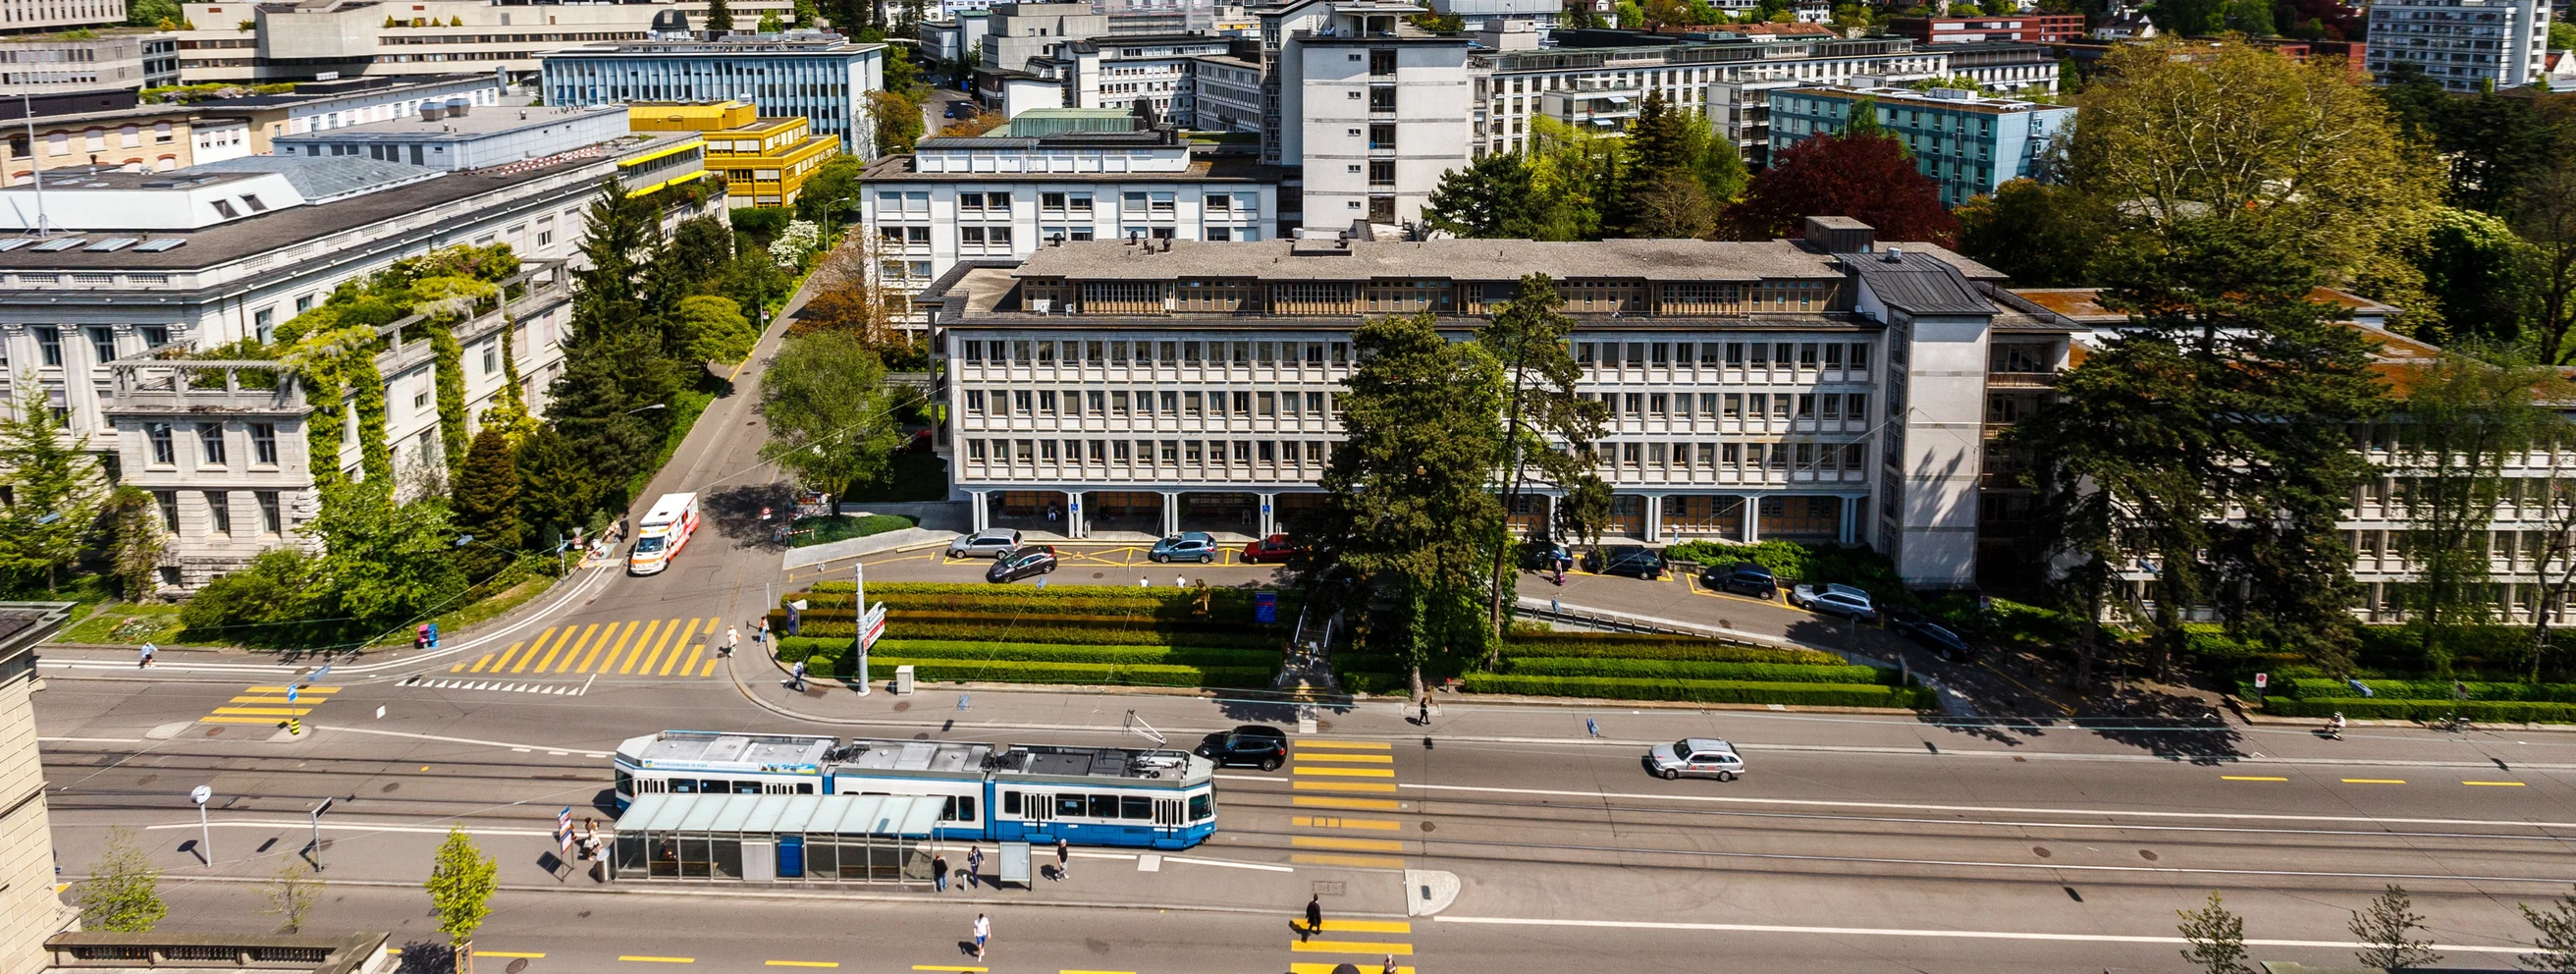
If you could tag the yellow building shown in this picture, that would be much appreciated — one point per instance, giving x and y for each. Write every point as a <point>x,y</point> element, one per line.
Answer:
<point>765,161</point>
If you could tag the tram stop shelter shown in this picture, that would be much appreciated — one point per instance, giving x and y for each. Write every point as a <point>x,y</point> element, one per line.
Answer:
<point>777,838</point>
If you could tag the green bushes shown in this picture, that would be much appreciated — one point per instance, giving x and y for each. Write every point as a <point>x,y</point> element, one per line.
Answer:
<point>2437,690</point>
<point>802,647</point>
<point>824,530</point>
<point>1091,600</point>
<point>1669,669</point>
<point>2357,708</point>
<point>1703,691</point>
<point>1795,563</point>
<point>1625,646</point>
<point>841,663</point>
<point>1074,630</point>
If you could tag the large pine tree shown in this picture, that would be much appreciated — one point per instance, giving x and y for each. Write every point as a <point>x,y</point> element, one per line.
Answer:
<point>487,504</point>
<point>54,494</point>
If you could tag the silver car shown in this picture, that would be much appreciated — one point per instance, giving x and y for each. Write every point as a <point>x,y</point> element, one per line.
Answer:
<point>984,544</point>
<point>1704,757</point>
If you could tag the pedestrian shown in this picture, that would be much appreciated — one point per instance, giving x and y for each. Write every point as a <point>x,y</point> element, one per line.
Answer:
<point>796,677</point>
<point>1144,583</point>
<point>760,632</point>
<point>939,874</point>
<point>1050,514</point>
<point>975,867</point>
<point>1314,916</point>
<point>983,930</point>
<point>1389,966</point>
<point>1063,858</point>
<point>1180,582</point>
<point>1426,707</point>
<point>733,638</point>
<point>145,662</point>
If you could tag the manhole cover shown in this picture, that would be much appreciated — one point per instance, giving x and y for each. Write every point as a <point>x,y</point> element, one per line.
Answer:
<point>2041,851</point>
<point>923,736</point>
<point>1328,887</point>
<point>1100,574</point>
<point>391,787</point>
<point>902,705</point>
<point>1430,826</point>
<point>147,779</point>
<point>518,965</point>
<point>1323,725</point>
<point>2147,854</point>
<point>214,732</point>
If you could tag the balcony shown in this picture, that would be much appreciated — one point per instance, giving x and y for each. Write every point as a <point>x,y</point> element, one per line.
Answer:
<point>2021,380</point>
<point>1606,107</point>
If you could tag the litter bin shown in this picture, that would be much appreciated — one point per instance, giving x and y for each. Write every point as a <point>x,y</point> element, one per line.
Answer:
<point>903,680</point>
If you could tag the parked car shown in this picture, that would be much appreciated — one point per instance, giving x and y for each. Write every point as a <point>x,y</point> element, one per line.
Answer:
<point>1835,599</point>
<point>1272,548</point>
<point>1545,555</point>
<point>1932,634</point>
<point>956,109</point>
<point>1022,563</point>
<point>985,544</point>
<point>1746,578</point>
<point>1198,546</point>
<point>1253,744</point>
<point>1698,757</point>
<point>1628,559</point>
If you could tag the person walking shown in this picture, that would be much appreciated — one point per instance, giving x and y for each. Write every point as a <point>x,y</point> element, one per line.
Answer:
<point>1063,858</point>
<point>1426,706</point>
<point>733,638</point>
<point>983,931</point>
<point>145,662</point>
<point>796,677</point>
<point>1389,967</point>
<point>1180,582</point>
<point>939,874</point>
<point>975,867</point>
<point>1314,917</point>
<point>760,632</point>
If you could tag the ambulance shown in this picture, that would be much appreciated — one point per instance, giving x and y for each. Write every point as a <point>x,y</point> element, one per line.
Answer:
<point>662,532</point>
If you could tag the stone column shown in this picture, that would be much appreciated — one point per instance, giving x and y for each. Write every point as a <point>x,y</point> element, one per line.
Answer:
<point>1269,515</point>
<point>1752,518</point>
<point>1074,516</point>
<point>1654,518</point>
<point>1171,512</point>
<point>981,516</point>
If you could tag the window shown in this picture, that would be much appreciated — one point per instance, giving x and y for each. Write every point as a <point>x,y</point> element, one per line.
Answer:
<point>103,342</point>
<point>269,521</point>
<point>219,512</point>
<point>1381,135</point>
<point>168,501</point>
<point>1381,172</point>
<point>49,344</point>
<point>211,437</point>
<point>154,336</point>
<point>264,321</point>
<point>164,452</point>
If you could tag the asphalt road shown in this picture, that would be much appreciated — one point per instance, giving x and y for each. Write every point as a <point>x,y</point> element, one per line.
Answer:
<point>1856,843</point>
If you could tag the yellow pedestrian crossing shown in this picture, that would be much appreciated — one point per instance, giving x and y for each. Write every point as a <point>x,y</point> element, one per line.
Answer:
<point>1350,947</point>
<point>1329,760</point>
<point>1360,804</point>
<point>1334,822</point>
<point>1367,926</point>
<point>1346,745</point>
<point>1339,757</point>
<point>639,647</point>
<point>1328,969</point>
<point>1353,845</point>
<point>1346,772</point>
<point>268,705</point>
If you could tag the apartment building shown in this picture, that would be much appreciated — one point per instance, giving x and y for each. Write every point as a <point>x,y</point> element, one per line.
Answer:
<point>461,139</point>
<point>815,75</point>
<point>2009,67</point>
<point>765,161</point>
<point>1119,72</point>
<point>1056,176</point>
<point>89,58</point>
<point>1757,390</point>
<point>246,41</point>
<point>1226,91</point>
<point>1372,108</point>
<point>28,16</point>
<point>148,138</point>
<point>2467,45</point>
<point>1969,144</point>
<point>2029,28</point>
<point>220,252</point>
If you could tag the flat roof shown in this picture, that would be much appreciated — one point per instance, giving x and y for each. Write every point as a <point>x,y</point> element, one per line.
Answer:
<point>1499,260</point>
<point>475,124</point>
<point>939,756</point>
<point>687,750</point>
<point>895,816</point>
<point>1202,168</point>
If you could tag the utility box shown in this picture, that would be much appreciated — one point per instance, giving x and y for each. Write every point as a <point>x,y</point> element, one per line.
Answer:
<point>903,680</point>
<point>1015,863</point>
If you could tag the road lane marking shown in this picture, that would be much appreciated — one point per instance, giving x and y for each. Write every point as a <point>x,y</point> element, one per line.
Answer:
<point>1347,745</point>
<point>1367,926</point>
<point>236,720</point>
<point>1363,804</point>
<point>651,626</point>
<point>530,656</point>
<point>1372,824</point>
<point>504,953</point>
<point>943,967</point>
<point>2495,784</point>
<point>320,691</point>
<point>2095,938</point>
<point>575,643</point>
<point>265,711</point>
<point>802,963</point>
<point>1349,758</point>
<point>611,638</point>
<point>507,653</point>
<point>1346,772</point>
<point>1350,947</point>
<point>2115,813</point>
<point>657,960</point>
<point>2249,777</point>
<point>2374,781</point>
<point>709,669</point>
<point>1328,969</point>
<point>262,698</point>
<point>1366,786</point>
<point>1364,862</point>
<point>670,631</point>
<point>1351,845</point>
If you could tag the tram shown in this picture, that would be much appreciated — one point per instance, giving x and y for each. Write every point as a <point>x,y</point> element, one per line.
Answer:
<point>1103,796</point>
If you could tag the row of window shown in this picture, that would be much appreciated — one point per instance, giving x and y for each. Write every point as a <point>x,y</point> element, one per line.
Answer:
<point>1734,355</point>
<point>1148,202</point>
<point>219,511</point>
<point>102,342</point>
<point>210,444</point>
<point>1105,807</point>
<point>1160,452</point>
<point>1639,406</point>
<point>1777,456</point>
<point>1118,352</point>
<point>1096,403</point>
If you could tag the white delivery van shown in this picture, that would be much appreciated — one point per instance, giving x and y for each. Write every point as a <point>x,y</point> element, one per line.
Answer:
<point>662,532</point>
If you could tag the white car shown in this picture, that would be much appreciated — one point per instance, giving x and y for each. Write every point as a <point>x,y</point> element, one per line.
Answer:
<point>1699,757</point>
<point>1835,600</point>
<point>984,544</point>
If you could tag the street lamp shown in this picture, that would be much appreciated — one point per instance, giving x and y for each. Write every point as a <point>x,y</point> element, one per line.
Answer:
<point>639,409</point>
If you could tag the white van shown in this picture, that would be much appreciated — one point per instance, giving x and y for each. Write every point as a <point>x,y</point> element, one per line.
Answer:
<point>663,531</point>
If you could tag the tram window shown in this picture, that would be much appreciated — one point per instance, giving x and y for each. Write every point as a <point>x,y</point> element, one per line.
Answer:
<point>1068,805</point>
<point>957,809</point>
<point>746,787</point>
<point>714,786</point>
<point>684,786</point>
<point>1135,807</point>
<point>1104,806</point>
<point>804,788</point>
<point>625,783</point>
<point>1201,808</point>
<point>1010,803</point>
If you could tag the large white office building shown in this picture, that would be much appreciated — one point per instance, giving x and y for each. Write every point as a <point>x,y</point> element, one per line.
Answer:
<point>2467,45</point>
<point>1374,109</point>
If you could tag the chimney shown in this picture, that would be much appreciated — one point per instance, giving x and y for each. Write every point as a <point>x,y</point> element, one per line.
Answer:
<point>431,111</point>
<point>1895,255</point>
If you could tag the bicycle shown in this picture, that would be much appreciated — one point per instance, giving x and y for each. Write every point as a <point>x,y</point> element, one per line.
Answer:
<point>2453,724</point>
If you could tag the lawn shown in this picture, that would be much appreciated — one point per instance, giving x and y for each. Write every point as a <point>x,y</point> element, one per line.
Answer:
<point>824,530</point>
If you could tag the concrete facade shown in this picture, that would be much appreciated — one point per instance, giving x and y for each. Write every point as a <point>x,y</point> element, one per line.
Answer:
<point>1970,145</point>
<point>1373,109</point>
<point>237,41</point>
<point>2466,45</point>
<point>443,139</point>
<point>816,75</point>
<point>100,57</point>
<point>29,910</point>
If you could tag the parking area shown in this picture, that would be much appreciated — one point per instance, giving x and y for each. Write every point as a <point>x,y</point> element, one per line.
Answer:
<point>1078,564</point>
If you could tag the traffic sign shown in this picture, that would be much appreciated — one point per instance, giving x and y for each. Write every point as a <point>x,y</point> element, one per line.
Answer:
<point>872,626</point>
<point>2262,680</point>
<point>201,794</point>
<point>563,829</point>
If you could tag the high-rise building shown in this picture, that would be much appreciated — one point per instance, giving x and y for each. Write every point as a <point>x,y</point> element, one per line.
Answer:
<point>237,41</point>
<point>1968,144</point>
<point>820,76</point>
<point>2467,45</point>
<point>1373,108</point>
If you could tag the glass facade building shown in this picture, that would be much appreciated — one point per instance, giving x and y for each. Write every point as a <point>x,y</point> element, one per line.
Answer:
<point>1968,144</point>
<point>820,77</point>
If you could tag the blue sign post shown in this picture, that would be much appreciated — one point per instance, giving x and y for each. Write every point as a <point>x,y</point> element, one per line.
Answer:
<point>1265,608</point>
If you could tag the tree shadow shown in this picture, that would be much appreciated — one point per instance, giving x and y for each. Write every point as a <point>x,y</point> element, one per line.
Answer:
<point>735,512</point>
<point>2168,724</point>
<point>426,957</point>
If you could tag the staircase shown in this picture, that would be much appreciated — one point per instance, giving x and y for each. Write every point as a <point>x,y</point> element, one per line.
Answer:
<point>1306,674</point>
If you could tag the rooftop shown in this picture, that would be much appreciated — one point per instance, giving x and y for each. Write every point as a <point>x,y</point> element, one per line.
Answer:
<point>795,43</point>
<point>310,92</point>
<point>1917,283</point>
<point>466,127</point>
<point>1935,98</point>
<point>1484,260</point>
<point>690,749</point>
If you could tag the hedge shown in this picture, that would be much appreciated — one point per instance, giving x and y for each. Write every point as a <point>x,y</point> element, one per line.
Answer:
<point>1670,669</point>
<point>1056,652</point>
<point>1014,671</point>
<point>1668,648</point>
<point>2314,687</point>
<point>1000,629</point>
<point>2492,711</point>
<point>1705,691</point>
<point>1168,603</point>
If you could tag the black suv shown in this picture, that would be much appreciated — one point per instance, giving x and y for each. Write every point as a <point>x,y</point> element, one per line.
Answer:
<point>1020,563</point>
<point>1629,559</point>
<point>1262,747</point>
<point>1932,634</point>
<point>1746,578</point>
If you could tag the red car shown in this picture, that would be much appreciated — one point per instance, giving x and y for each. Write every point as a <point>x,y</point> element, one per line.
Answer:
<point>1272,548</point>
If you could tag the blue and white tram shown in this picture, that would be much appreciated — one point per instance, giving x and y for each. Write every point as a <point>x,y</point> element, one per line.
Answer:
<point>1105,796</point>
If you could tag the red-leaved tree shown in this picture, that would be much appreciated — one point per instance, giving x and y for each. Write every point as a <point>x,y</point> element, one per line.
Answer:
<point>1862,175</point>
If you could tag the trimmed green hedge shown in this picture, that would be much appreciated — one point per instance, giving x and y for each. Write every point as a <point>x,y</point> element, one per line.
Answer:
<point>1678,670</point>
<point>1016,671</point>
<point>1055,652</point>
<point>2356,708</point>
<point>1623,646</point>
<point>1705,691</point>
<point>998,628</point>
<point>1166,603</point>
<point>2314,687</point>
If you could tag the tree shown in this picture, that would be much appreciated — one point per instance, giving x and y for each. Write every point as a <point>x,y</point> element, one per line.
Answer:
<point>719,17</point>
<point>461,881</point>
<point>701,246</point>
<point>2040,234</point>
<point>1527,337</point>
<point>835,183</point>
<point>2217,938</point>
<point>2492,143</point>
<point>2476,278</point>
<point>487,505</point>
<point>386,562</point>
<point>291,894</point>
<point>2544,216</point>
<point>154,13</point>
<point>2386,926</point>
<point>55,491</point>
<point>280,587</point>
<point>830,416</point>
<point>602,402</point>
<point>558,490</point>
<point>1672,205</point>
<point>718,331</point>
<point>1492,197</point>
<point>122,893</point>
<point>978,123</point>
<point>137,540</point>
<point>2553,935</point>
<point>1857,174</point>
<point>2187,17</point>
<point>2463,421</point>
<point>1408,504</point>
<point>895,120</point>
<point>845,295</point>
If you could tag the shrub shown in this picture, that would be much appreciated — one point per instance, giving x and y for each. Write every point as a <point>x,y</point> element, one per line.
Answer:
<point>1663,647</point>
<point>1704,691</point>
<point>1670,669</point>
<point>1796,563</point>
<point>824,530</point>
<point>1095,600</point>
<point>2498,711</point>
<point>1054,652</point>
<point>2440,690</point>
<point>1006,671</point>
